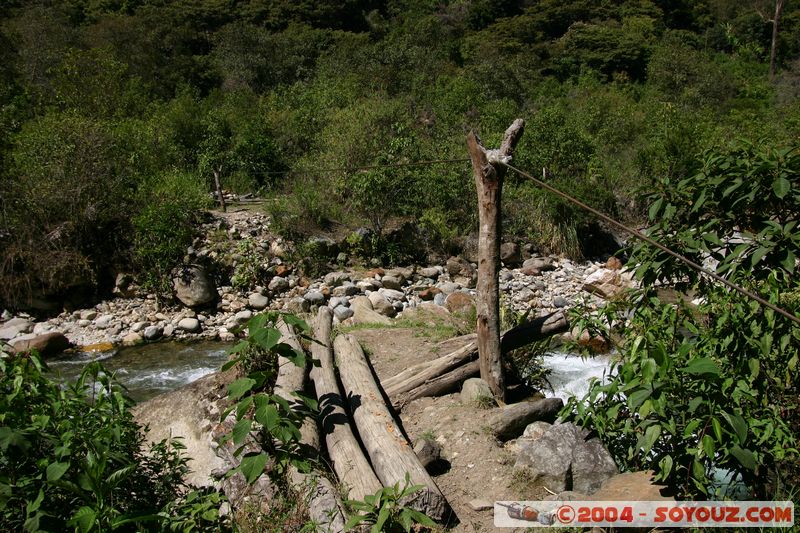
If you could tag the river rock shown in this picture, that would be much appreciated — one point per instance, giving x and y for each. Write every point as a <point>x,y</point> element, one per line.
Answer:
<point>439,299</point>
<point>510,254</point>
<point>315,298</point>
<point>342,313</point>
<point>392,295</point>
<point>14,328</point>
<point>562,459</point>
<point>392,282</point>
<point>152,333</point>
<point>459,302</point>
<point>429,272</point>
<point>334,279</point>
<point>169,329</point>
<point>381,304</point>
<point>192,325</point>
<point>278,285</point>
<point>363,313</point>
<point>475,389</point>
<point>47,344</point>
<point>193,286</point>
<point>257,301</point>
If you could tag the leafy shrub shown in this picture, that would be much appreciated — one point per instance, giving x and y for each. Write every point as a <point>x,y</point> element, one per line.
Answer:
<point>384,510</point>
<point>256,406</point>
<point>709,387</point>
<point>72,458</point>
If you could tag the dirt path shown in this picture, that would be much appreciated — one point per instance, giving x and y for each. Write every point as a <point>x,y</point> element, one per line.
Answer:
<point>476,465</point>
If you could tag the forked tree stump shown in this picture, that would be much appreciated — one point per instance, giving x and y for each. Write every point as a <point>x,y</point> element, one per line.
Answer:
<point>489,171</point>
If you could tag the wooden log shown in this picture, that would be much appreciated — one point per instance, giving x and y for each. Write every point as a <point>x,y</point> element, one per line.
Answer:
<point>422,375</point>
<point>534,330</point>
<point>390,453</point>
<point>349,462</point>
<point>430,370</point>
<point>438,386</point>
<point>324,507</point>
<point>510,421</point>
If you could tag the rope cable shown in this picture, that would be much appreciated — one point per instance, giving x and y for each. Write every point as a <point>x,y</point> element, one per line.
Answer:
<point>658,245</point>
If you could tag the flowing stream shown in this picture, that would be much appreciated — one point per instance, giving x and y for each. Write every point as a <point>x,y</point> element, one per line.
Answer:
<point>149,369</point>
<point>570,373</point>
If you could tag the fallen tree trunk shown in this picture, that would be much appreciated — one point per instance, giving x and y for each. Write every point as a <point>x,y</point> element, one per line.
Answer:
<point>535,330</point>
<point>349,462</point>
<point>391,455</point>
<point>427,371</point>
<point>440,385</point>
<point>324,507</point>
<point>510,421</point>
<point>402,388</point>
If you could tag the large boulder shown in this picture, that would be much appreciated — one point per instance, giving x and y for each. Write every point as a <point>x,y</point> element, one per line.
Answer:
<point>563,459</point>
<point>47,344</point>
<point>194,287</point>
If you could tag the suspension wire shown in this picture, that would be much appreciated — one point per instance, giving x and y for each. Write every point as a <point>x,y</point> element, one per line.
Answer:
<point>660,246</point>
<point>369,167</point>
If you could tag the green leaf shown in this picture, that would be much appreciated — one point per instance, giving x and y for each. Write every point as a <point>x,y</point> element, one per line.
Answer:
<point>781,186</point>
<point>708,446</point>
<point>654,208</point>
<point>739,426</point>
<point>651,435</point>
<point>745,457</point>
<point>666,466</point>
<point>637,398</point>
<point>84,519</point>
<point>252,466</point>
<point>383,515</point>
<point>702,365</point>
<point>56,470</point>
<point>265,338</point>
<point>788,261</point>
<point>241,430</point>
<point>267,416</point>
<point>717,428</point>
<point>240,387</point>
<point>758,255</point>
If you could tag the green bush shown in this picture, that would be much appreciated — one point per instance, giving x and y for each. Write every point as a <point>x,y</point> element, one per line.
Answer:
<point>71,458</point>
<point>700,389</point>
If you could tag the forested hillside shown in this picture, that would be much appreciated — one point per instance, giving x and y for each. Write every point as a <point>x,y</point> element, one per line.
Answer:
<point>115,114</point>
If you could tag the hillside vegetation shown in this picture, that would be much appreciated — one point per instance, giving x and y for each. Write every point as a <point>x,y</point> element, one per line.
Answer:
<point>114,116</point>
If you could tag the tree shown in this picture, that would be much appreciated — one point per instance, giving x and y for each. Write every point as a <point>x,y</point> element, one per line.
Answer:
<point>489,171</point>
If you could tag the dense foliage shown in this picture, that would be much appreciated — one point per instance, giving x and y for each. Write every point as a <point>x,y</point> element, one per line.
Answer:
<point>706,390</point>
<point>102,101</point>
<point>72,458</point>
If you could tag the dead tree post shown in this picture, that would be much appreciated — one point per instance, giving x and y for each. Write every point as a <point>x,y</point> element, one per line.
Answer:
<point>489,171</point>
<point>220,195</point>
